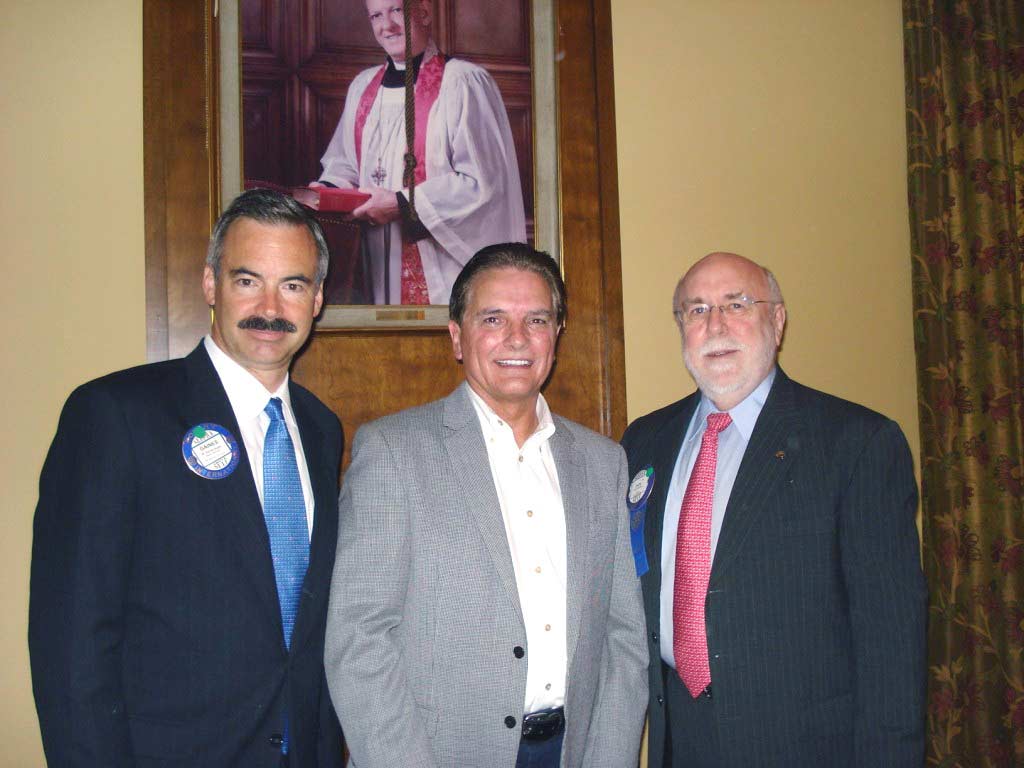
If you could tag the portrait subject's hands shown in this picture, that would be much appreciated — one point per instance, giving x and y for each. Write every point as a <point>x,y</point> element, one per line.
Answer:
<point>338,184</point>
<point>381,208</point>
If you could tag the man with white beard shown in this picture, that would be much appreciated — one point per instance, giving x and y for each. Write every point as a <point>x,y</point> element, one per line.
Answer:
<point>774,530</point>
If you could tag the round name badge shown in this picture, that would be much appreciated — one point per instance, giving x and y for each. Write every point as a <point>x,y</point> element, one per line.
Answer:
<point>641,487</point>
<point>210,451</point>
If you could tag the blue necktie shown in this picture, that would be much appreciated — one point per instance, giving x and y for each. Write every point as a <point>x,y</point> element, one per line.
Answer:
<point>285,513</point>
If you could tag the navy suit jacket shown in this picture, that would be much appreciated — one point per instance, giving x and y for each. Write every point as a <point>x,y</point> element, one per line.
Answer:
<point>154,626</point>
<point>815,612</point>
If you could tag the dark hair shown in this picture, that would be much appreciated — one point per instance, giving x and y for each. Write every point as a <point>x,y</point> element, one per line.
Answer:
<point>517,256</point>
<point>267,207</point>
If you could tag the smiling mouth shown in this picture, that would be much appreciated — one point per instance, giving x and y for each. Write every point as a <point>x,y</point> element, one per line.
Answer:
<point>514,363</point>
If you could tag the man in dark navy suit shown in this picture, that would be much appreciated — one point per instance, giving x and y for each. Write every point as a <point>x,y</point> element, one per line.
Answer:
<point>185,532</point>
<point>784,595</point>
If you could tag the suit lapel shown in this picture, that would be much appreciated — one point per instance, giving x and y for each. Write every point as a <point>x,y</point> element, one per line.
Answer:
<point>233,501</point>
<point>322,478</point>
<point>572,480</point>
<point>464,442</point>
<point>667,442</point>
<point>769,457</point>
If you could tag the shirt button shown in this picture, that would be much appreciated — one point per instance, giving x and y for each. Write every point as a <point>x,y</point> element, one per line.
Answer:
<point>529,513</point>
<point>537,569</point>
<point>520,459</point>
<point>547,687</point>
<point>547,627</point>
<point>518,652</point>
<point>510,722</point>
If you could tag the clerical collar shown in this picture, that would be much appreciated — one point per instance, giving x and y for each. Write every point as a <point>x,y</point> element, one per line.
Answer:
<point>395,77</point>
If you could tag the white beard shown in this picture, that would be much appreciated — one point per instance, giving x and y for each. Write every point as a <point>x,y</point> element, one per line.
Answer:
<point>717,385</point>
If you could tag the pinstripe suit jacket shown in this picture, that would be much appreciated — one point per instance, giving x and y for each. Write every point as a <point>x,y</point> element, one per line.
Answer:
<point>424,612</point>
<point>815,611</point>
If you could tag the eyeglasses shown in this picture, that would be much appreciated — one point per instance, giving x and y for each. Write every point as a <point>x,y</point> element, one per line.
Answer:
<point>738,307</point>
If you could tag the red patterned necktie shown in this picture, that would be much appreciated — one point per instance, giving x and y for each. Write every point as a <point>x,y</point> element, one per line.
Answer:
<point>693,563</point>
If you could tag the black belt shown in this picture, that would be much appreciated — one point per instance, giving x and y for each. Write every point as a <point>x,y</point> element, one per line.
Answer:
<point>543,725</point>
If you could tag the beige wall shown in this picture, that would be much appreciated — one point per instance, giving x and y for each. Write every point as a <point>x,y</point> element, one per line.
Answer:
<point>71,217</point>
<point>774,129</point>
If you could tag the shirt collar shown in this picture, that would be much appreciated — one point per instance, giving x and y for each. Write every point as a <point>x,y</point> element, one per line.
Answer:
<point>744,414</point>
<point>247,394</point>
<point>493,424</point>
<point>394,73</point>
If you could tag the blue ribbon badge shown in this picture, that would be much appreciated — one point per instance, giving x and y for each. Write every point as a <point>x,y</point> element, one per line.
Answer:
<point>210,451</point>
<point>639,492</point>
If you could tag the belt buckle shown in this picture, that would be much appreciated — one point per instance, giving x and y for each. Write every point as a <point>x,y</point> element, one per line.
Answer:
<point>543,725</point>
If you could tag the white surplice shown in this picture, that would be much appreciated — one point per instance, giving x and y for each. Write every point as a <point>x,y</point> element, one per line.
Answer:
<point>471,196</point>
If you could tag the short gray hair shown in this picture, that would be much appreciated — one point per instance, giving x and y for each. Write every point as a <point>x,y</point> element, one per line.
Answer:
<point>774,292</point>
<point>267,207</point>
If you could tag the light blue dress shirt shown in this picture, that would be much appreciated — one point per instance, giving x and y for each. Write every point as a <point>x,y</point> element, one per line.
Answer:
<point>732,444</point>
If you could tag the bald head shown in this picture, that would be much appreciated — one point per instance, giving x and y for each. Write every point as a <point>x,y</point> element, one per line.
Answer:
<point>719,261</point>
<point>729,353</point>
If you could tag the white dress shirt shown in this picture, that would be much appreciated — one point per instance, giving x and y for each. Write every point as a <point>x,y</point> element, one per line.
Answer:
<point>531,505</point>
<point>732,444</point>
<point>248,399</point>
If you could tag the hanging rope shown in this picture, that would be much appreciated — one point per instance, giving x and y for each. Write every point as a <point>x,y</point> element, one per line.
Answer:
<point>409,177</point>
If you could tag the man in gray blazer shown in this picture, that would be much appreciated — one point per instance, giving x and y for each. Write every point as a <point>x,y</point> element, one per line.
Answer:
<point>485,608</point>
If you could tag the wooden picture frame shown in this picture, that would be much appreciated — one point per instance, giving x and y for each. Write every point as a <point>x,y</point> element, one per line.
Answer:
<point>363,373</point>
<point>278,97</point>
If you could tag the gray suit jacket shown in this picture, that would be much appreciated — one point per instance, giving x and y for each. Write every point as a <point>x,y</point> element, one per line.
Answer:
<point>424,611</point>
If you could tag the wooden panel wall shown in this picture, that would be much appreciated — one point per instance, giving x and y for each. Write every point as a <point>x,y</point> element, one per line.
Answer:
<point>180,166</point>
<point>365,374</point>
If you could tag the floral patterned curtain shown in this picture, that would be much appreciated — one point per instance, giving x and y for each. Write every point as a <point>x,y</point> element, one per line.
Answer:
<point>964,64</point>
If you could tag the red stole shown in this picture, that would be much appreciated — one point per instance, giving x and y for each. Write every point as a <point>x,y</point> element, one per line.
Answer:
<point>428,86</point>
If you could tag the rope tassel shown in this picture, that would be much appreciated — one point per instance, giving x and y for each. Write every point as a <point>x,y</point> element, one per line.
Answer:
<point>409,177</point>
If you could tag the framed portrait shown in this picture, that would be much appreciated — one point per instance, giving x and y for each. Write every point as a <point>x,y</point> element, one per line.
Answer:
<point>364,368</point>
<point>313,101</point>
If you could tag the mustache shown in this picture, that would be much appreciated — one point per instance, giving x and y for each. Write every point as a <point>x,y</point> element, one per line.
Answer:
<point>711,346</point>
<point>257,323</point>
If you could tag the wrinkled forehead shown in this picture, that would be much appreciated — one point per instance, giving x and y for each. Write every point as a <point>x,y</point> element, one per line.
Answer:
<point>383,6</point>
<point>374,6</point>
<point>508,285</point>
<point>722,276</point>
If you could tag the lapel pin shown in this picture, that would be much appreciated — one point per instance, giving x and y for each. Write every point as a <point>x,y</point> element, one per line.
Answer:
<point>210,451</point>
<point>780,455</point>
